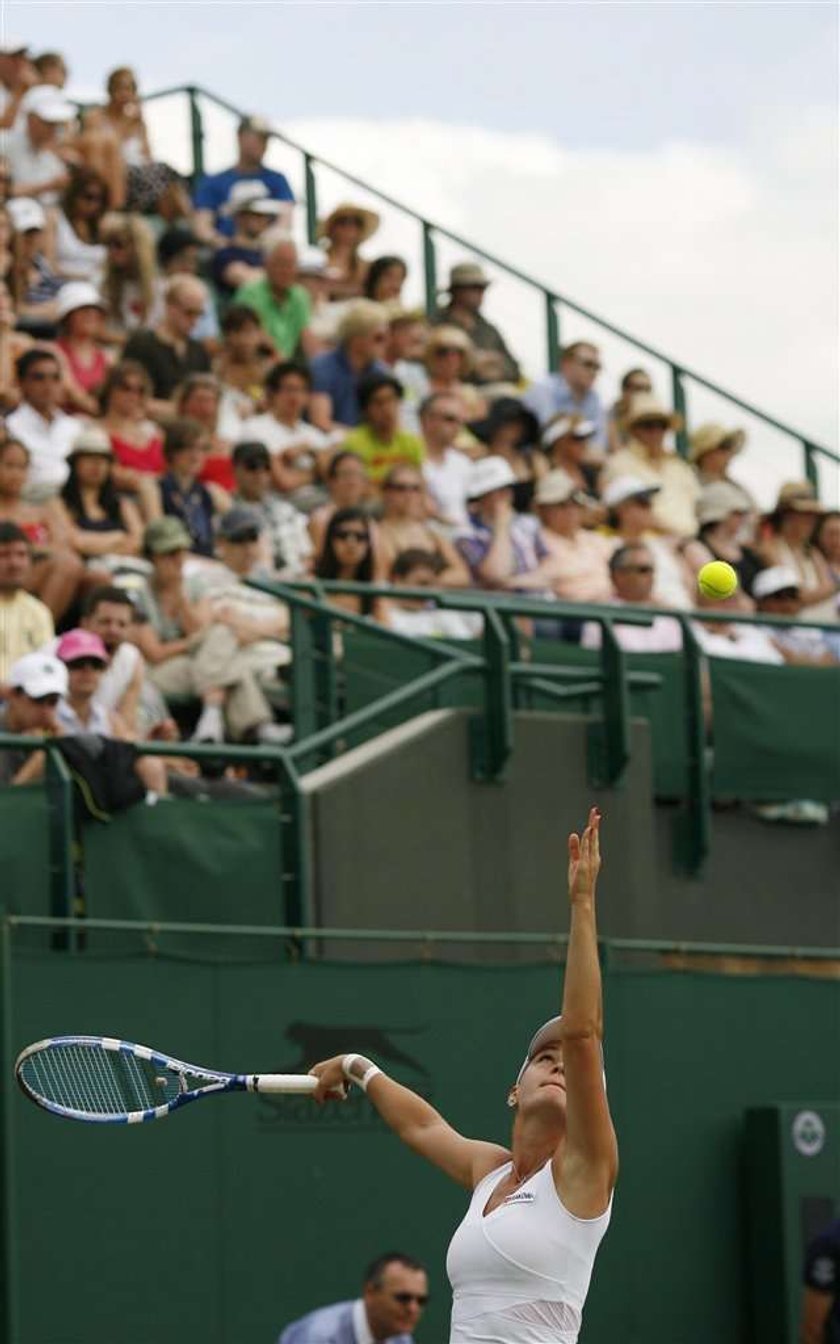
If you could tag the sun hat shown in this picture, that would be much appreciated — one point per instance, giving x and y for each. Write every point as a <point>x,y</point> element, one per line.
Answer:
<point>240,523</point>
<point>710,436</point>
<point>646,406</point>
<point>48,103</point>
<point>77,294</point>
<point>546,1034</point>
<point>627,487</point>
<point>776,579</point>
<point>506,411</point>
<point>798,497</point>
<point>468,273</point>
<point>91,442</point>
<point>487,474</point>
<point>11,46</point>
<point>251,196</point>
<point>559,426</point>
<point>361,318</point>
<point>165,535</point>
<point>26,214</point>
<point>455,339</point>
<point>38,674</point>
<point>369,218</point>
<point>258,125</point>
<point>314,261</point>
<point>81,644</point>
<point>558,487</point>
<point>717,501</point>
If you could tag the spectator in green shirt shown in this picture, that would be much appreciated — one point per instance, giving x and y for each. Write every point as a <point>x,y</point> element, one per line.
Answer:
<point>378,440</point>
<point>284,308</point>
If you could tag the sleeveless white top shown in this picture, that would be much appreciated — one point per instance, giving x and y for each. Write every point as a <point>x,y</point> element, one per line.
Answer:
<point>521,1275</point>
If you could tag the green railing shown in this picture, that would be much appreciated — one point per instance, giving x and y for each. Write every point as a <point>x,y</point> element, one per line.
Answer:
<point>554,305</point>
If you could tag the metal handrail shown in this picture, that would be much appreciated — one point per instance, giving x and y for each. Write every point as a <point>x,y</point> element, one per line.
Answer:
<point>552,298</point>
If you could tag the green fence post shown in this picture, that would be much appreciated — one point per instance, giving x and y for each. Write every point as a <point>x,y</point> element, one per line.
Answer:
<point>430,269</point>
<point>311,188</point>
<point>609,741</point>
<point>552,331</point>
<point>326,690</point>
<point>59,790</point>
<point>812,473</point>
<point>678,393</point>
<point>694,827</point>
<point>492,732</point>
<point>196,135</point>
<point>303,696</point>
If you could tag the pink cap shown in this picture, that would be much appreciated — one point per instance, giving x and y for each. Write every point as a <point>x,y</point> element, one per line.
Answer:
<point>81,644</point>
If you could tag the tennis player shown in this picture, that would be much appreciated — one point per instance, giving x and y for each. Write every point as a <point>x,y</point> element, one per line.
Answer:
<point>521,1261</point>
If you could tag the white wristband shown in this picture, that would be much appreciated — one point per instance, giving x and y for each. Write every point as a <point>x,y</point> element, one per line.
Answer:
<point>371,1071</point>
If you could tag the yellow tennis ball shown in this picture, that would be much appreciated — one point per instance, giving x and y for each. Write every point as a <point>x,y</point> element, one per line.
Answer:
<point>717,579</point>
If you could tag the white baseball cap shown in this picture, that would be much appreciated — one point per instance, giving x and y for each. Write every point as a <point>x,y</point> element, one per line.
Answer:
<point>627,487</point>
<point>77,294</point>
<point>38,674</point>
<point>487,474</point>
<point>774,580</point>
<point>253,196</point>
<point>562,425</point>
<point>48,103</point>
<point>26,214</point>
<point>12,46</point>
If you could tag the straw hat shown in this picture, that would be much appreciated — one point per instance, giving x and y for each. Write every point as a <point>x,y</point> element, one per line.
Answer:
<point>717,501</point>
<point>710,436</point>
<point>798,497</point>
<point>468,273</point>
<point>454,339</point>
<point>369,218</point>
<point>645,406</point>
<point>91,442</point>
<point>558,487</point>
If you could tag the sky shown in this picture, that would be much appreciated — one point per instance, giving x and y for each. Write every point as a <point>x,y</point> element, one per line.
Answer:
<point>672,167</point>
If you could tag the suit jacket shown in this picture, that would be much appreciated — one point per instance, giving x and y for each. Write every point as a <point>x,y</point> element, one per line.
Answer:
<point>329,1325</point>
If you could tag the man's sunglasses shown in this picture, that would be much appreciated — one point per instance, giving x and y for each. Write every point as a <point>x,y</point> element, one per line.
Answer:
<point>593,364</point>
<point>86,664</point>
<point>404,1298</point>
<point>349,534</point>
<point>449,350</point>
<point>242,538</point>
<point>132,387</point>
<point>635,569</point>
<point>49,701</point>
<point>651,424</point>
<point>401,487</point>
<point>44,376</point>
<point>350,219</point>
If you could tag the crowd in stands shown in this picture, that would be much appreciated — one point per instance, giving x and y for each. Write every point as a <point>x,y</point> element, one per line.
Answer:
<point>191,400</point>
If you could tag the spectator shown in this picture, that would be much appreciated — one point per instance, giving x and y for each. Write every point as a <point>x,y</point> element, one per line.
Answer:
<point>183,495</point>
<point>632,570</point>
<point>393,1297</point>
<point>136,440</point>
<point>721,515</point>
<point>711,452</point>
<point>343,231</point>
<point>178,254</point>
<point>407,335</point>
<point>499,545</point>
<point>242,363</point>
<point>289,543</point>
<point>777,593</point>
<point>37,682</point>
<point>282,306</point>
<point>731,639</point>
<point>79,313</point>
<point>139,183</point>
<point>51,69</point>
<point>240,260</point>
<point>820,1317</point>
<point>103,526</point>
<point>336,374</point>
<point>629,504</point>
<point>15,79</point>
<point>26,623</point>
<point>38,172</point>
<point>200,398</point>
<point>38,423</point>
<point>293,443</point>
<point>577,565</point>
<point>792,526</point>
<point>646,457</point>
<point>213,192</point>
<point>168,352</point>
<point>34,285</point>
<point>349,488</point>
<point>446,470</point>
<point>567,441</point>
<point>378,440</point>
<point>385,279</point>
<point>572,390</point>
<point>510,431</point>
<point>189,654</point>
<point>56,569</point>
<point>75,228</point>
<point>315,275</point>
<point>449,363</point>
<point>347,553</point>
<point>108,612</point>
<point>492,360</point>
<point>403,527</point>
<point>128,285</point>
<point>636,382</point>
<point>420,619</point>
<point>827,542</point>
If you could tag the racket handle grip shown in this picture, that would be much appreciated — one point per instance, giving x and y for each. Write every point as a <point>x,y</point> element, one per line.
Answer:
<point>282,1082</point>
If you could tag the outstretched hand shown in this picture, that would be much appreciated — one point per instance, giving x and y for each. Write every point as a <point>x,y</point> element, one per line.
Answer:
<point>585,860</point>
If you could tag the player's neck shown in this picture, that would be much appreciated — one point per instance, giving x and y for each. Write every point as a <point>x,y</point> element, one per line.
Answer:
<point>534,1144</point>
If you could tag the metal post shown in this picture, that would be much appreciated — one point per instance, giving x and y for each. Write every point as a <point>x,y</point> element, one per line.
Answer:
<point>609,741</point>
<point>303,697</point>
<point>678,392</point>
<point>693,842</point>
<point>430,270</point>
<point>492,740</point>
<point>812,473</point>
<point>552,331</point>
<point>311,198</point>
<point>59,790</point>
<point>196,135</point>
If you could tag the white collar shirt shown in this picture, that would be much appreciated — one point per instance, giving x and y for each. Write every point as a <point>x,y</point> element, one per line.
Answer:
<point>361,1328</point>
<point>48,441</point>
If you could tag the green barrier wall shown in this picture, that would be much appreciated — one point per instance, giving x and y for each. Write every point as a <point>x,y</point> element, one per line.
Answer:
<point>224,1222</point>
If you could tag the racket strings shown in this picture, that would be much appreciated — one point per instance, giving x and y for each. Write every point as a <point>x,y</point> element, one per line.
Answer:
<point>92,1080</point>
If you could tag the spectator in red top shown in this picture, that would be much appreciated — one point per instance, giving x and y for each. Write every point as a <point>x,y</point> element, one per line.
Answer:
<point>80,313</point>
<point>136,439</point>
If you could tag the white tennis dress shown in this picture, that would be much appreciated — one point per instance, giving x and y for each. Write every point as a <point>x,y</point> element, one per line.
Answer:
<point>521,1275</point>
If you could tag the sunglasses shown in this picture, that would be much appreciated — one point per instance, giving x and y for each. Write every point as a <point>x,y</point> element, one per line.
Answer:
<point>44,376</point>
<point>242,538</point>
<point>350,534</point>
<point>86,664</point>
<point>449,419</point>
<point>95,196</point>
<point>449,350</point>
<point>404,1298</point>
<point>593,364</point>
<point>50,701</point>
<point>255,466</point>
<point>638,387</point>
<point>132,387</point>
<point>404,487</point>
<point>113,243</point>
<point>651,424</point>
<point>190,312</point>
<point>350,219</point>
<point>636,569</point>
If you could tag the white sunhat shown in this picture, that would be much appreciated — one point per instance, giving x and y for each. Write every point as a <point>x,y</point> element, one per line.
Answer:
<point>487,474</point>
<point>12,46</point>
<point>77,294</point>
<point>38,674</point>
<point>314,261</point>
<point>562,425</point>
<point>627,487</point>
<point>48,103</point>
<point>26,214</point>
<point>558,487</point>
<point>250,195</point>
<point>774,580</point>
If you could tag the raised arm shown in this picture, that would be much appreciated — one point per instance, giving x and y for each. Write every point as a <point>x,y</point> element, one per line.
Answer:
<point>413,1120</point>
<point>586,1164</point>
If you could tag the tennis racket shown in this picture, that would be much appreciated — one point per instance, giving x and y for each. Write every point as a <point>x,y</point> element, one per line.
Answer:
<point>111,1082</point>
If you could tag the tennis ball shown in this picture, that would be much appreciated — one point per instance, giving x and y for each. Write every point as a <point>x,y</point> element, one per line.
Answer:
<point>717,579</point>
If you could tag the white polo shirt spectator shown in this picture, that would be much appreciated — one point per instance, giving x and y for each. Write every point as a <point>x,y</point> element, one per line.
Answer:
<point>31,146</point>
<point>41,426</point>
